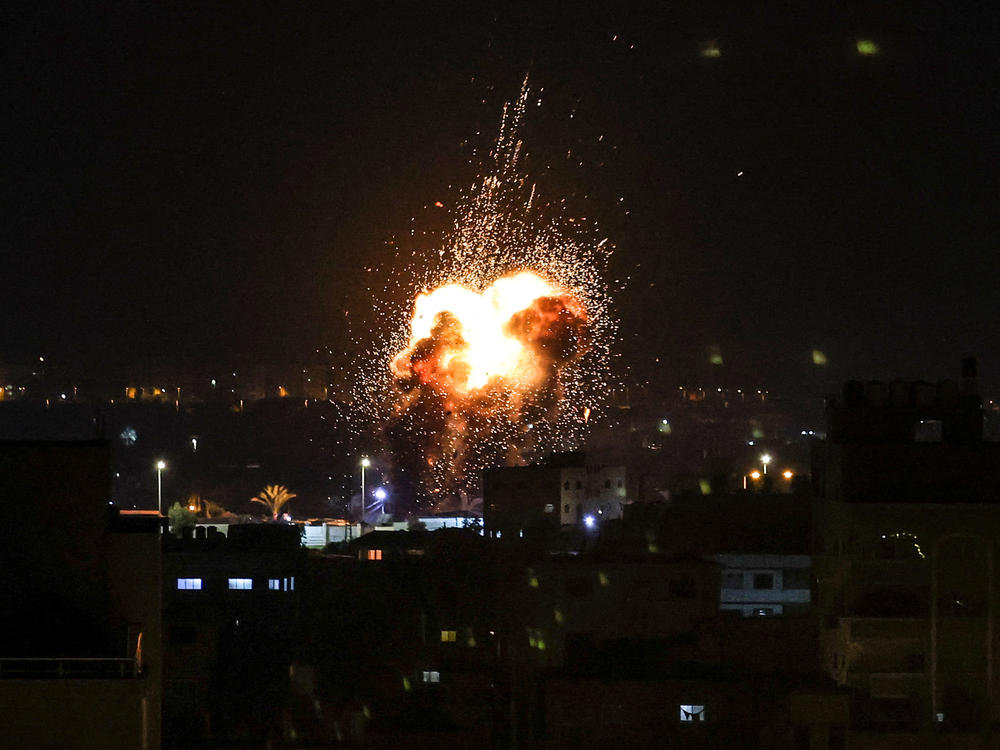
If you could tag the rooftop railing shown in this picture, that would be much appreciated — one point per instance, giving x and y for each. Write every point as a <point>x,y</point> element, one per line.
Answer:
<point>68,668</point>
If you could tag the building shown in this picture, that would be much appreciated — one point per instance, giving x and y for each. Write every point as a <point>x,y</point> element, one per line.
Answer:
<point>229,607</point>
<point>906,525</point>
<point>80,656</point>
<point>564,491</point>
<point>763,585</point>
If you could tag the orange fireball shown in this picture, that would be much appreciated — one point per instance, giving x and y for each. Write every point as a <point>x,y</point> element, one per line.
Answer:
<point>462,340</point>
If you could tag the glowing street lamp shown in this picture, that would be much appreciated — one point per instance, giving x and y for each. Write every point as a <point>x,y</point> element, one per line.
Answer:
<point>765,459</point>
<point>365,463</point>
<point>160,466</point>
<point>380,495</point>
<point>787,474</point>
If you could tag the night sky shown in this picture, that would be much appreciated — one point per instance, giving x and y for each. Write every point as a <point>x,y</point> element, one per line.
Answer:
<point>191,184</point>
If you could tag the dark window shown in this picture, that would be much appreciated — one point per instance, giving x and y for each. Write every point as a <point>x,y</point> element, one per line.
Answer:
<point>566,485</point>
<point>607,484</point>
<point>960,605</point>
<point>682,588</point>
<point>182,634</point>
<point>795,578</point>
<point>763,581</point>
<point>566,508</point>
<point>579,484</point>
<point>733,580</point>
<point>927,431</point>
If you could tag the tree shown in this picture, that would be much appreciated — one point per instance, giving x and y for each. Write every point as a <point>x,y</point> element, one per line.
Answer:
<point>274,496</point>
<point>180,519</point>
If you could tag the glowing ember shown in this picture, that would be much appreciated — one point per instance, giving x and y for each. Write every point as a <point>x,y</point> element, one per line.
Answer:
<point>503,354</point>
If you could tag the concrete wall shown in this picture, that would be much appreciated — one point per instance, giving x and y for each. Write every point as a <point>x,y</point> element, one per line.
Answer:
<point>78,714</point>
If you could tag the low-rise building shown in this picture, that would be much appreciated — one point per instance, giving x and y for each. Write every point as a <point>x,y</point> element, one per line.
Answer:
<point>565,491</point>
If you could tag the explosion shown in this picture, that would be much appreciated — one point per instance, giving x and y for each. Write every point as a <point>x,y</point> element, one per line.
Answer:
<point>503,354</point>
<point>510,336</point>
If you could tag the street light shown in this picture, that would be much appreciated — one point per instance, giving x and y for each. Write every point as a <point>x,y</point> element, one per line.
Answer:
<point>787,474</point>
<point>765,459</point>
<point>365,463</point>
<point>160,466</point>
<point>380,494</point>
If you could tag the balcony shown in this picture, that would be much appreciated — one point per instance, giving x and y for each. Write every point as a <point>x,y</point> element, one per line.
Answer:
<point>27,668</point>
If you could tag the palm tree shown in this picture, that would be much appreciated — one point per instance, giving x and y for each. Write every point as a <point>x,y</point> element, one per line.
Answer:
<point>274,496</point>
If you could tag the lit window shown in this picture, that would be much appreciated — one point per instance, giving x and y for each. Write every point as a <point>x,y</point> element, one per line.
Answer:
<point>189,584</point>
<point>291,583</point>
<point>274,584</point>
<point>550,508</point>
<point>240,584</point>
<point>692,713</point>
<point>432,677</point>
<point>448,636</point>
<point>374,554</point>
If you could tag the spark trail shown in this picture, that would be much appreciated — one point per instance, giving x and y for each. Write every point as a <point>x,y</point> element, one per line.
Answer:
<point>503,355</point>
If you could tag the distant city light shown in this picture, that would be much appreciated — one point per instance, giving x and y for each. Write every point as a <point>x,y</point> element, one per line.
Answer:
<point>787,474</point>
<point>589,521</point>
<point>380,493</point>
<point>710,49</point>
<point>755,474</point>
